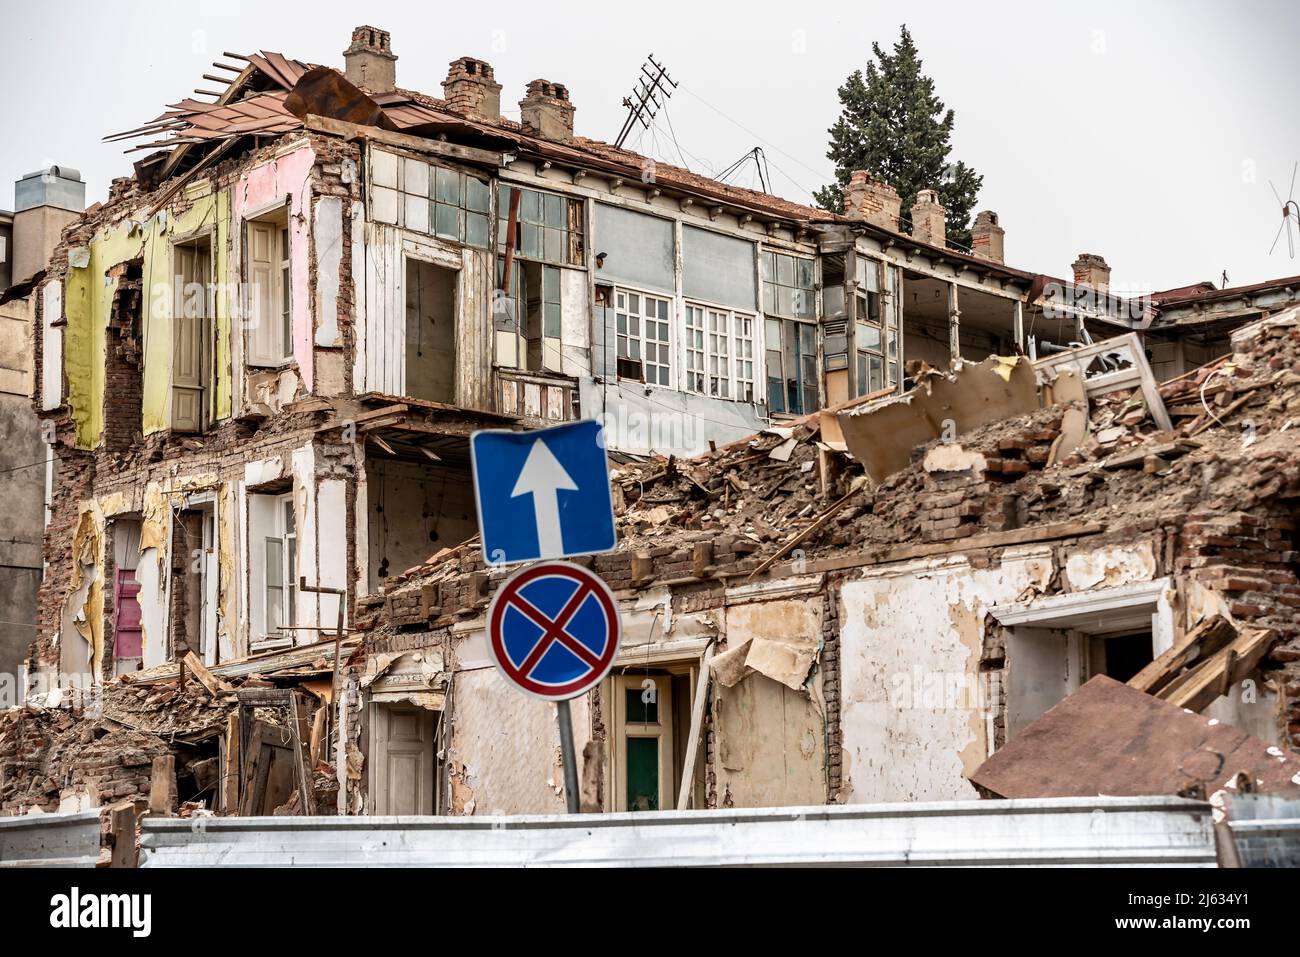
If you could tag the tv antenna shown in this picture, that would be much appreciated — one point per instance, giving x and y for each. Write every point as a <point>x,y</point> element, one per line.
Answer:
<point>760,164</point>
<point>1290,212</point>
<point>644,103</point>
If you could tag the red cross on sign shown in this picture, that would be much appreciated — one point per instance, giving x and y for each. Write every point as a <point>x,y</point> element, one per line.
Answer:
<point>553,630</point>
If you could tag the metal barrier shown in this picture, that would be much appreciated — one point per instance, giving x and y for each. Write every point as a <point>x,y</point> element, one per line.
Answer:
<point>50,840</point>
<point>1060,831</point>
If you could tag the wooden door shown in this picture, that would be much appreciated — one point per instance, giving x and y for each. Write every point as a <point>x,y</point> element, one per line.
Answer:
<point>190,323</point>
<point>403,763</point>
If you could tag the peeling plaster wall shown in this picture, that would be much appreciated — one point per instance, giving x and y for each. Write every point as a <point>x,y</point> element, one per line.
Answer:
<point>771,739</point>
<point>1110,566</point>
<point>505,748</point>
<point>258,191</point>
<point>910,644</point>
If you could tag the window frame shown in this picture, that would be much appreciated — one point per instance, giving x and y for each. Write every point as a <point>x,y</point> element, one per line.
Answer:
<point>277,351</point>
<point>702,381</point>
<point>796,359</point>
<point>419,209</point>
<point>284,536</point>
<point>661,730</point>
<point>664,347</point>
<point>573,214</point>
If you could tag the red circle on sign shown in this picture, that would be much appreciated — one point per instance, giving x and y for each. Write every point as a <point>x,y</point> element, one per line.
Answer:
<point>553,630</point>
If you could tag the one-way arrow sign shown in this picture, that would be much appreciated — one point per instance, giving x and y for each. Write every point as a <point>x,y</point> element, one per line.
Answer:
<point>542,494</point>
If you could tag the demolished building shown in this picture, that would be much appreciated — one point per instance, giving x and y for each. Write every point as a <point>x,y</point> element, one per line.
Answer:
<point>844,575</point>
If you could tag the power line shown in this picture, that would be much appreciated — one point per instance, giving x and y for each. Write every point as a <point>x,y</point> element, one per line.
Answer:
<point>763,139</point>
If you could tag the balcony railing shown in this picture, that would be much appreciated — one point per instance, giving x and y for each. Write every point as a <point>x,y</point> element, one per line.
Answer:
<point>538,398</point>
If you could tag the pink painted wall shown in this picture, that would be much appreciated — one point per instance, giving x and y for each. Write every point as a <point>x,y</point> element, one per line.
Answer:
<point>262,186</point>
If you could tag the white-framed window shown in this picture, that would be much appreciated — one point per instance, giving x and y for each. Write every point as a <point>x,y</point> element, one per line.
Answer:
<point>719,352</point>
<point>427,198</point>
<point>273,566</point>
<point>645,770</point>
<point>643,328</point>
<point>270,325</point>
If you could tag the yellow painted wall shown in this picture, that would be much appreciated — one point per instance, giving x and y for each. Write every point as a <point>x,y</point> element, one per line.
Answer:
<point>88,298</point>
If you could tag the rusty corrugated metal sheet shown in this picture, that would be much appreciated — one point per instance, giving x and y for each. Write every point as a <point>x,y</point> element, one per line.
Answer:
<point>1108,738</point>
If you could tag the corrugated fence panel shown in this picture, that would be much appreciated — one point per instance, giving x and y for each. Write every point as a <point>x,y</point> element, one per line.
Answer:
<point>1062,831</point>
<point>50,840</point>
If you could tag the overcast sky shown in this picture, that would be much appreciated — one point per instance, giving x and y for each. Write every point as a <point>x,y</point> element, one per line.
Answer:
<point>1146,132</point>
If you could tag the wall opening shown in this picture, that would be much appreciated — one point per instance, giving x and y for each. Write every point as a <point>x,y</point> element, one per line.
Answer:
<point>430,331</point>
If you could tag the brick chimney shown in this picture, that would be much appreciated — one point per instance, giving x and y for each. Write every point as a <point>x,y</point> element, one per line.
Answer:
<point>872,200</point>
<point>928,218</point>
<point>546,110</point>
<point>1091,270</point>
<point>986,237</point>
<point>470,89</point>
<point>370,62</point>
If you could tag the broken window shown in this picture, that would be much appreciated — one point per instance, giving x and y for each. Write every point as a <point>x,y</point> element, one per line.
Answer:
<point>642,325</point>
<point>270,324</point>
<point>527,316</point>
<point>430,199</point>
<point>547,227</point>
<point>791,366</point>
<point>869,330</point>
<point>719,353</point>
<point>430,331</point>
<point>193,323</point>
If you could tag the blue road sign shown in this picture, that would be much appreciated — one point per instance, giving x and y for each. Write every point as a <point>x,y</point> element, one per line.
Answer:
<point>542,494</point>
<point>553,630</point>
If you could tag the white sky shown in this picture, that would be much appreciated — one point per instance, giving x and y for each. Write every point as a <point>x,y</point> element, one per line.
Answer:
<point>1145,132</point>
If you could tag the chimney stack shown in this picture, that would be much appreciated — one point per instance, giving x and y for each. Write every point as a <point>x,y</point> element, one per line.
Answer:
<point>1091,270</point>
<point>872,200</point>
<point>470,89</point>
<point>928,223</point>
<point>986,237</point>
<point>546,110</point>
<point>44,202</point>
<point>370,62</point>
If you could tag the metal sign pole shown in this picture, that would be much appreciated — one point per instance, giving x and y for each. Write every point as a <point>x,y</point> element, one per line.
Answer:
<point>565,720</point>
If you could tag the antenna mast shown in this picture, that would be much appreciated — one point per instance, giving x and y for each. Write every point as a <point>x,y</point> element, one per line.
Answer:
<point>644,103</point>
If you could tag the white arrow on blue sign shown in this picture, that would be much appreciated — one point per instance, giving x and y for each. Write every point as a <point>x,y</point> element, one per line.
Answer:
<point>542,494</point>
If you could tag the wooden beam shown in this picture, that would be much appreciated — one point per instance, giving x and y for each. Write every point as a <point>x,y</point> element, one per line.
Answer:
<point>202,674</point>
<point>299,735</point>
<point>230,773</point>
<point>419,144</point>
<point>697,725</point>
<point>121,829</point>
<point>1225,668</point>
<point>1202,641</point>
<point>162,786</point>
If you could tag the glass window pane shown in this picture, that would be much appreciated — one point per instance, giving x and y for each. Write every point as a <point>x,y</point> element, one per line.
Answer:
<point>417,213</point>
<point>769,297</point>
<point>553,245</point>
<point>532,245</point>
<point>785,270</point>
<point>447,221</point>
<point>447,186</point>
<point>642,774</point>
<point>416,177</point>
<point>476,229</point>
<point>530,206</point>
<point>638,711</point>
<point>868,337</point>
<point>503,203</point>
<point>804,273</point>
<point>663,309</point>
<point>553,210</point>
<point>550,284</point>
<point>551,319</point>
<point>476,195</point>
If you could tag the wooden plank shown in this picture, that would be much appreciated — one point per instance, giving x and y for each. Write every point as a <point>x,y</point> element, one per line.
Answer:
<point>1226,668</point>
<point>298,734</point>
<point>162,786</point>
<point>230,773</point>
<point>818,524</point>
<point>204,677</point>
<point>253,773</point>
<point>697,726</point>
<point>121,829</point>
<point>1205,639</point>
